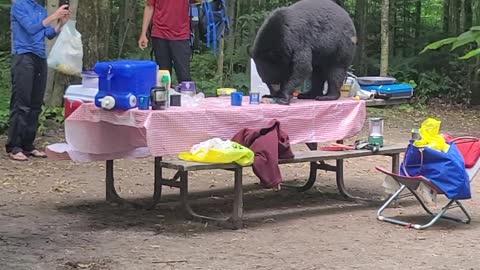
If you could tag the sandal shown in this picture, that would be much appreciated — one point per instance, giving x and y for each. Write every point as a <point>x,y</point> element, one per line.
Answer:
<point>36,154</point>
<point>18,156</point>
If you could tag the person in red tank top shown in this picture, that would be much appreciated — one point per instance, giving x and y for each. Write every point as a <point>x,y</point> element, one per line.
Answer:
<point>170,34</point>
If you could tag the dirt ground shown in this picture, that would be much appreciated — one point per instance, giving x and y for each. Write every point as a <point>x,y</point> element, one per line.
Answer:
<point>53,215</point>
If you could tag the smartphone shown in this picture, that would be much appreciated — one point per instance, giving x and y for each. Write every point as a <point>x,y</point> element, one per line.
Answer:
<point>63,2</point>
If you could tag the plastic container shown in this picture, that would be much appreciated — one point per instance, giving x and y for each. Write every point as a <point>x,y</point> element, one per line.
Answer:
<point>376,80</point>
<point>224,92</point>
<point>254,97</point>
<point>90,79</point>
<point>120,82</point>
<point>187,88</point>
<point>160,75</point>
<point>236,98</point>
<point>76,95</point>
<point>159,98</point>
<point>391,91</point>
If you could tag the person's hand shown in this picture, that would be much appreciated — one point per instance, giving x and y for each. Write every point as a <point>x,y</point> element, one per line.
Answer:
<point>61,12</point>
<point>64,20</point>
<point>143,42</point>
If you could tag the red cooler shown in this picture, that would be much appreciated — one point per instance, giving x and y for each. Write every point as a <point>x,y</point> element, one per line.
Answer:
<point>75,96</point>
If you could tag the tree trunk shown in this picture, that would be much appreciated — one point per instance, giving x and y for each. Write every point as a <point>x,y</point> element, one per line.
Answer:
<point>230,42</point>
<point>446,12</point>
<point>454,18</point>
<point>475,12</point>
<point>418,25</point>
<point>251,29</point>
<point>393,25</point>
<point>94,21</point>
<point>404,28</point>
<point>127,24</point>
<point>468,13</point>
<point>220,60</point>
<point>361,15</point>
<point>385,43</point>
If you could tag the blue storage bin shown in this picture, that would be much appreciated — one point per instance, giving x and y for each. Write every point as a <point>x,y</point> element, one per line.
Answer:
<point>393,91</point>
<point>121,82</point>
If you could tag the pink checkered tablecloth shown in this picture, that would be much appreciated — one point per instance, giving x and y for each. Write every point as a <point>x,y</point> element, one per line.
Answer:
<point>94,134</point>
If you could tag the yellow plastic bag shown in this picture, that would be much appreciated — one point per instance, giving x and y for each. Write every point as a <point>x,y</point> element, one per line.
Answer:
<point>218,151</point>
<point>430,133</point>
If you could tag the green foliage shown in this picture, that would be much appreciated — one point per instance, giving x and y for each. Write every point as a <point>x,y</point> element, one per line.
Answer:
<point>4,90</point>
<point>436,76</point>
<point>471,54</point>
<point>4,25</point>
<point>3,120</point>
<point>204,74</point>
<point>50,115</point>
<point>471,36</point>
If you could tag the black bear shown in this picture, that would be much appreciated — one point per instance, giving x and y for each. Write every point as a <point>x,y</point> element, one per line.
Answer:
<point>310,39</point>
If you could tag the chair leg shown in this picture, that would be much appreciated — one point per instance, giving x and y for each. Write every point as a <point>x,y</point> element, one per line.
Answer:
<point>465,212</point>
<point>440,215</point>
<point>386,204</point>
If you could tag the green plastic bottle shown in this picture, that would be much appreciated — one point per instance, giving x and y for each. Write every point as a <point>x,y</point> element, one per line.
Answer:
<point>166,83</point>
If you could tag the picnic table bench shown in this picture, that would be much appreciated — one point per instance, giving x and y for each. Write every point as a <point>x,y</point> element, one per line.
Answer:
<point>316,158</point>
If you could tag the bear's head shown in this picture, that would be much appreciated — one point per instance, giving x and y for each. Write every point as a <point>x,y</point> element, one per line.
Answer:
<point>272,67</point>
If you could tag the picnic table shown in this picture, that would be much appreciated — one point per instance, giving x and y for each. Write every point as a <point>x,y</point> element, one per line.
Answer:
<point>94,134</point>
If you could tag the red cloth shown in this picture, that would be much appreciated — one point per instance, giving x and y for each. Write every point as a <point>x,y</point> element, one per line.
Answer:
<point>469,149</point>
<point>171,19</point>
<point>269,144</point>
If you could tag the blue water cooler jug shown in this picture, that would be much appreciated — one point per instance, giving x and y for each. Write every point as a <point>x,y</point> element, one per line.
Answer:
<point>121,82</point>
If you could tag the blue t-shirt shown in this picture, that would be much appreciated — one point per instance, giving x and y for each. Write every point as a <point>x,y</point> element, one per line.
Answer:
<point>27,26</point>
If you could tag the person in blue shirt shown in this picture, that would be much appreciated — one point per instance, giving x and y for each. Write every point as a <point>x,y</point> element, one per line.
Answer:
<point>30,25</point>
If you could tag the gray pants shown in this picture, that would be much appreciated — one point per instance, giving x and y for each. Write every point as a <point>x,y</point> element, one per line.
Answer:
<point>29,79</point>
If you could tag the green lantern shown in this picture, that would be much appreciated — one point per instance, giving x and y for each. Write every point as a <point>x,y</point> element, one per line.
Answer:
<point>375,136</point>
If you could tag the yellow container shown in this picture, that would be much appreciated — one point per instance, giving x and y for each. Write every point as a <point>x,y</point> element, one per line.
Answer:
<point>225,91</point>
<point>345,90</point>
<point>160,74</point>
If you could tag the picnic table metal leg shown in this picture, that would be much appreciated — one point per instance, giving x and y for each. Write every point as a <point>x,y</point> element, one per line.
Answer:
<point>341,182</point>
<point>396,163</point>
<point>312,178</point>
<point>235,221</point>
<point>315,166</point>
<point>157,188</point>
<point>112,196</point>
<point>237,213</point>
<point>110,191</point>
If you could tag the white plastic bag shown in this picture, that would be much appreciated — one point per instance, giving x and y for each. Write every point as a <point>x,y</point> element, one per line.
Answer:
<point>67,52</point>
<point>256,82</point>
<point>188,101</point>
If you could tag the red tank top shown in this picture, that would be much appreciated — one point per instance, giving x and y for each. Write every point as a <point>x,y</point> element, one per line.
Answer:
<point>171,19</point>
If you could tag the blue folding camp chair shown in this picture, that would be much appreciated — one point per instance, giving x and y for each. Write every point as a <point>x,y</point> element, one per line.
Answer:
<point>412,184</point>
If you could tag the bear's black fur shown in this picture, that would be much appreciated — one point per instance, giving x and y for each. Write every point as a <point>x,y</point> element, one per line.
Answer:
<point>311,38</point>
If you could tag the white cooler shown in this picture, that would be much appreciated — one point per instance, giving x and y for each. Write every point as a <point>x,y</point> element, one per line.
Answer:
<point>75,96</point>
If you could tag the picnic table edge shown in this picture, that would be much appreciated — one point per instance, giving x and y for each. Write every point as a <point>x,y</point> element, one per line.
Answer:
<point>300,156</point>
